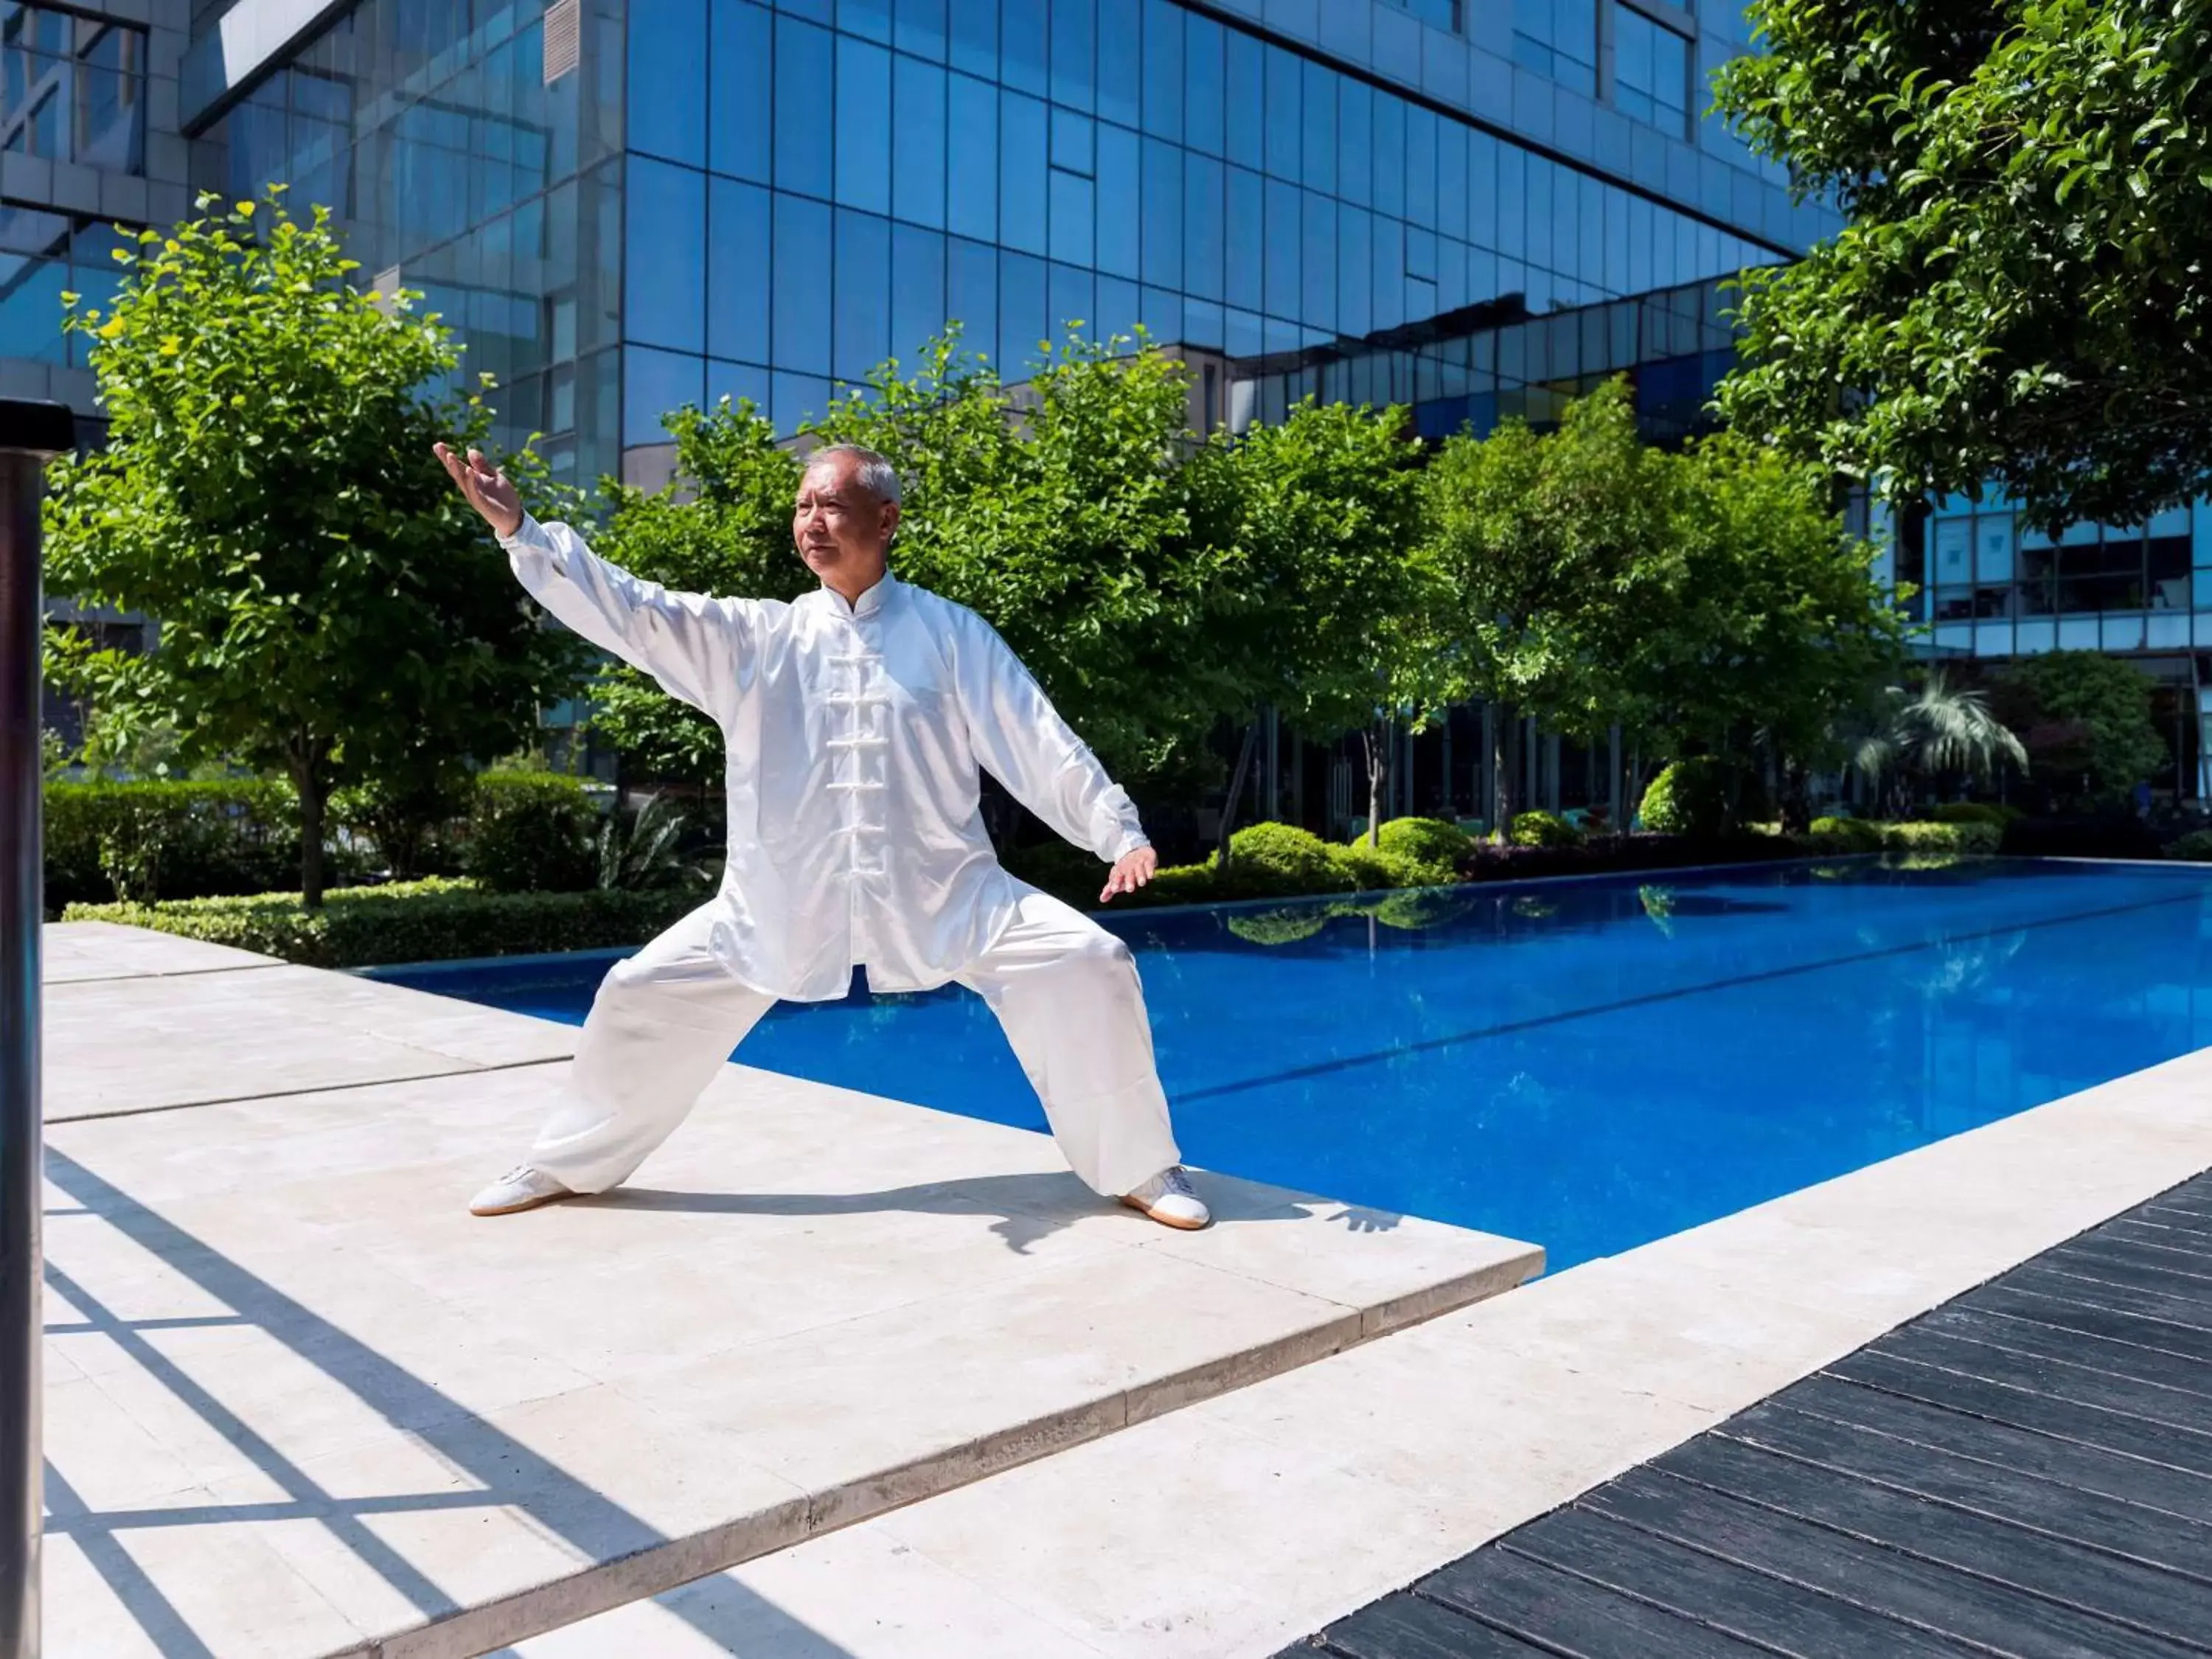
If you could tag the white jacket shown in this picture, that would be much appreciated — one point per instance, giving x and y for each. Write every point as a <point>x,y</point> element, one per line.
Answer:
<point>854,734</point>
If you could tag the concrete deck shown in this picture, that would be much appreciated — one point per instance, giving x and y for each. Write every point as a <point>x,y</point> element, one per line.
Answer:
<point>1230,1530</point>
<point>299,1403</point>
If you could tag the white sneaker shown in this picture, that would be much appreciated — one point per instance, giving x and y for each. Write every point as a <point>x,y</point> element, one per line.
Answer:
<point>1168,1199</point>
<point>521,1187</point>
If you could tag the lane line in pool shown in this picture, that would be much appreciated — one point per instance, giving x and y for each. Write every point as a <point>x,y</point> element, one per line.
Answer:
<point>317,1089</point>
<point>1647,999</point>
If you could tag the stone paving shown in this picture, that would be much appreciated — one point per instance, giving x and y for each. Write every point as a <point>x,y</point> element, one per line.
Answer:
<point>299,1403</point>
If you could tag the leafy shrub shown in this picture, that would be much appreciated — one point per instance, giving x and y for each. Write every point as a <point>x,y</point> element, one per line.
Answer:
<point>1689,797</point>
<point>530,832</point>
<point>162,839</point>
<point>1830,835</point>
<point>1543,829</point>
<point>431,920</point>
<point>1851,834</point>
<point>1368,869</point>
<point>2196,847</point>
<point>1281,927</point>
<point>1973,811</point>
<point>1267,858</point>
<point>1434,843</point>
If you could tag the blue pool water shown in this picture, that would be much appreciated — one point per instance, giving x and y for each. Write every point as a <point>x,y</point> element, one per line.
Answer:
<point>1590,1064</point>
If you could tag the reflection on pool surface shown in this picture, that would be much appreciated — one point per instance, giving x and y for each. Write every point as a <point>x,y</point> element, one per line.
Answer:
<point>1590,1064</point>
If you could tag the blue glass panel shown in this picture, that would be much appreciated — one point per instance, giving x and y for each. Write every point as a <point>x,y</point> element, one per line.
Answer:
<point>864,126</point>
<point>918,157</point>
<point>797,398</point>
<point>664,301</point>
<point>971,296</point>
<point>656,384</point>
<point>738,271</point>
<point>1163,77</point>
<point>1509,202</point>
<point>1204,323</point>
<point>1022,168</point>
<point>1590,229</point>
<point>1122,64</point>
<point>1420,299</point>
<point>737,142</point>
<point>740,382</point>
<point>1355,142</point>
<point>1389,295</point>
<point>1481,275</point>
<point>1542,210</point>
<point>1284,245</point>
<point>1072,298</point>
<point>1071,140</point>
<point>864,293</point>
<point>975,37</point>
<point>1204,113</point>
<point>1248,211</point>
<point>1389,155</point>
<point>1247,337</point>
<point>1286,118</point>
<point>1024,313</point>
<point>801,252</point>
<point>1420,253</point>
<point>1163,199</point>
<point>971,168</point>
<point>1641,242</point>
<point>1451,274</point>
<point>1451,178</point>
<point>668,80</point>
<point>871,19</point>
<point>804,58</point>
<point>1421,167</point>
<point>922,28</point>
<point>1120,215</point>
<point>1318,306</point>
<point>1075,52</point>
<point>917,289</point>
<point>1245,95</point>
<point>1022,47</point>
<point>1120,308</point>
<point>1074,214</point>
<point>1160,311</point>
<point>1319,162</point>
<point>1203,224</point>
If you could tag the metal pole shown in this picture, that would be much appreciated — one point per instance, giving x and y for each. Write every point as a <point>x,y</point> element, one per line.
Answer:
<point>30,433</point>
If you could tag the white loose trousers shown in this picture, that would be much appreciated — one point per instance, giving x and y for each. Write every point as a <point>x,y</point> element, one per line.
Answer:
<point>1064,991</point>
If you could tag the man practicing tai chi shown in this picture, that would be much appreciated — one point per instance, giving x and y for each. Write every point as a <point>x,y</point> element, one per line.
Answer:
<point>855,719</point>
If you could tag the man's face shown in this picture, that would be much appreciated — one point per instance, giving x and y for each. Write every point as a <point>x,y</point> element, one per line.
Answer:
<point>839,525</point>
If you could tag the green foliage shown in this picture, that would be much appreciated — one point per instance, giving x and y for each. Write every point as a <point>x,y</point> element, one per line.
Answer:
<point>2019,296</point>
<point>1689,797</point>
<point>161,839</point>
<point>636,851</point>
<point>1941,731</point>
<point>1435,844</point>
<point>431,920</point>
<point>2084,719</point>
<point>1831,834</point>
<point>1275,927</point>
<point>1973,811</point>
<point>1543,829</point>
<point>332,611</point>
<point>1366,868</point>
<point>1849,835</point>
<point>1280,857</point>
<point>530,832</point>
<point>2196,847</point>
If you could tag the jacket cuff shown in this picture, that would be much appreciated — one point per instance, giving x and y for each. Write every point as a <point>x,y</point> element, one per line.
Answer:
<point>529,533</point>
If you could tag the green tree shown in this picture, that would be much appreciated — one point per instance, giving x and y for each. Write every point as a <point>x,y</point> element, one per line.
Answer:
<point>1555,548</point>
<point>2085,720</point>
<point>1939,732</point>
<point>2020,293</point>
<point>722,524</point>
<point>329,608</point>
<point>1774,629</point>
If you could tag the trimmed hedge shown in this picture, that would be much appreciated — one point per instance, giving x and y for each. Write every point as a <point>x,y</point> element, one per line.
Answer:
<point>1436,843</point>
<point>1688,798</point>
<point>432,920</point>
<point>2195,848</point>
<point>1543,829</point>
<point>1831,834</point>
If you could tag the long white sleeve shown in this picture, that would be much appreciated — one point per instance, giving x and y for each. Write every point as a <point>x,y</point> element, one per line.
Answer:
<point>1021,740</point>
<point>690,643</point>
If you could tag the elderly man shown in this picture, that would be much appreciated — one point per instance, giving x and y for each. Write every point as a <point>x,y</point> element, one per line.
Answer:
<point>856,719</point>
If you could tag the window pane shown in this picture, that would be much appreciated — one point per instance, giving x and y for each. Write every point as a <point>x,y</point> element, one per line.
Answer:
<point>1284,244</point>
<point>1119,308</point>
<point>1021,45</point>
<point>1202,225</point>
<point>1389,155</point>
<point>1163,200</point>
<point>1072,141</point>
<point>1074,52</point>
<point>739,382</point>
<point>738,271</point>
<point>864,126</point>
<point>1355,141</point>
<point>922,28</point>
<point>971,297</point>
<point>972,166</point>
<point>802,248</point>
<point>869,18</point>
<point>1389,295</point>
<point>1024,319</point>
<point>975,37</point>
<point>803,59</point>
<point>1317,305</point>
<point>1022,173</point>
<point>864,293</point>
<point>1071,303</point>
<point>1073,213</point>
<point>738,141</point>
<point>668,80</point>
<point>1120,64</point>
<point>1286,118</point>
<point>1246,285</point>
<point>1120,214</point>
<point>1163,73</point>
<point>656,384</point>
<point>1538,204</point>
<point>918,158</point>
<point>798,398</point>
<point>1205,116</point>
<point>665,301</point>
<point>917,289</point>
<point>1355,276</point>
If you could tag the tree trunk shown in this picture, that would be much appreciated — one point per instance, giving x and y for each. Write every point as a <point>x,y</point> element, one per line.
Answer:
<point>308,779</point>
<point>1505,759</point>
<point>1376,743</point>
<point>1236,793</point>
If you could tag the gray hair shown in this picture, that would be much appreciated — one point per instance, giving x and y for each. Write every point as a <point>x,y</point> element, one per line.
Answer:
<point>877,476</point>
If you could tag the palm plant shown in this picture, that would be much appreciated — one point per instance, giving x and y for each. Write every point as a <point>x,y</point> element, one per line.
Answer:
<point>1941,731</point>
<point>645,848</point>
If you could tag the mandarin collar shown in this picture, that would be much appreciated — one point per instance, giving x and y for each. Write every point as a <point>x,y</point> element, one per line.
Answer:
<point>868,605</point>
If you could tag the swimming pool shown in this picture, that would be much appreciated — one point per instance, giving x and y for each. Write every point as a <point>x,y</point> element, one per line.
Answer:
<point>1589,1064</point>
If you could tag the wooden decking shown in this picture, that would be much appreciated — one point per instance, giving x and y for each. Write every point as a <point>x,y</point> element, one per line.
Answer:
<point>2026,1471</point>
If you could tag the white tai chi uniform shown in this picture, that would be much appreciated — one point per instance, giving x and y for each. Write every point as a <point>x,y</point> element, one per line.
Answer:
<point>854,735</point>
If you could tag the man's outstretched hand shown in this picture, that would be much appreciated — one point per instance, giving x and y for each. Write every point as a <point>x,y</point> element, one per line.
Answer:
<point>485,486</point>
<point>1132,871</point>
